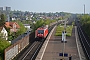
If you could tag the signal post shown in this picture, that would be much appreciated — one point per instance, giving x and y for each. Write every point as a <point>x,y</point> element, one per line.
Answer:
<point>63,54</point>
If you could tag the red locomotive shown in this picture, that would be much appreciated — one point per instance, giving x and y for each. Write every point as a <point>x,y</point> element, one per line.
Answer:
<point>41,32</point>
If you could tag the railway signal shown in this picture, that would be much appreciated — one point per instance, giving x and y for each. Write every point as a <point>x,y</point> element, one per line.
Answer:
<point>63,54</point>
<point>64,37</point>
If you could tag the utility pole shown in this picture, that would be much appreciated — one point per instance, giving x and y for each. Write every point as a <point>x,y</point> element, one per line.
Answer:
<point>8,18</point>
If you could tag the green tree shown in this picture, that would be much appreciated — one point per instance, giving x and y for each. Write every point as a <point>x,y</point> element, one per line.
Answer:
<point>1,35</point>
<point>2,22</point>
<point>39,23</point>
<point>21,30</point>
<point>3,45</point>
<point>85,21</point>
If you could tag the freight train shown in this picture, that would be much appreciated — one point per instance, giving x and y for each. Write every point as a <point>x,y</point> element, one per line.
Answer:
<point>41,32</point>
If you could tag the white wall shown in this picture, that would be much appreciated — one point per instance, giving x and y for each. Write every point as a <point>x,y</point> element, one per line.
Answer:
<point>5,33</point>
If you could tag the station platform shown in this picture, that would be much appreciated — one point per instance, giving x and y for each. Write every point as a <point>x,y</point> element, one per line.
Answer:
<point>53,46</point>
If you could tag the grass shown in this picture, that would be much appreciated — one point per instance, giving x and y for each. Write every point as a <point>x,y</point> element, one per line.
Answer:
<point>60,28</point>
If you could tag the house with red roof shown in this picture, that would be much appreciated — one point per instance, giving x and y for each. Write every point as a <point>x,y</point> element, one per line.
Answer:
<point>12,25</point>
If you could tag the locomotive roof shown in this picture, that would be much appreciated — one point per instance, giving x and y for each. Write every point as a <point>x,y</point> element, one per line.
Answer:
<point>42,28</point>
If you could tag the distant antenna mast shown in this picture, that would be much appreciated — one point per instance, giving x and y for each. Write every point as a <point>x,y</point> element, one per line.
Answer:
<point>8,18</point>
<point>84,9</point>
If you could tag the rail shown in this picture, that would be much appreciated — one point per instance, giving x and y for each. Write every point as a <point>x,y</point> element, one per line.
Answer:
<point>84,42</point>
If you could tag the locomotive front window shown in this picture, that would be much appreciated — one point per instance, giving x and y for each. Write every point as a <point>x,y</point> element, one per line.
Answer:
<point>40,31</point>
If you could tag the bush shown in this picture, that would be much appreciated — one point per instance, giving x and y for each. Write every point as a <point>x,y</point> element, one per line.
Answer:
<point>10,38</point>
<point>3,45</point>
<point>85,21</point>
<point>60,28</point>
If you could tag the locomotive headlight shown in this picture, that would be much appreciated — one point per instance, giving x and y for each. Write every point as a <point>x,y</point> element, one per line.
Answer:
<point>40,35</point>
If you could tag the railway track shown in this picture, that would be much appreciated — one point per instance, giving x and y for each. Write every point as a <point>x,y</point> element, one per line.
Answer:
<point>31,51</point>
<point>84,41</point>
<point>34,49</point>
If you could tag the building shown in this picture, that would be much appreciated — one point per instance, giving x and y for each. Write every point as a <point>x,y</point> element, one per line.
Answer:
<point>27,26</point>
<point>1,8</point>
<point>8,8</point>
<point>4,33</point>
<point>13,18</point>
<point>13,26</point>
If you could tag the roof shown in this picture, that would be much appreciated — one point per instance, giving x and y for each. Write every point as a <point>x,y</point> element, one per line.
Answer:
<point>10,24</point>
<point>26,25</point>
<point>42,28</point>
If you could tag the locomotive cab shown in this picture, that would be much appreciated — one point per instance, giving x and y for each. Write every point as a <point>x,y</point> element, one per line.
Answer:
<point>41,33</point>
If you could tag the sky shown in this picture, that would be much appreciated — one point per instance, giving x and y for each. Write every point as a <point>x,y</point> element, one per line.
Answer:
<point>72,6</point>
